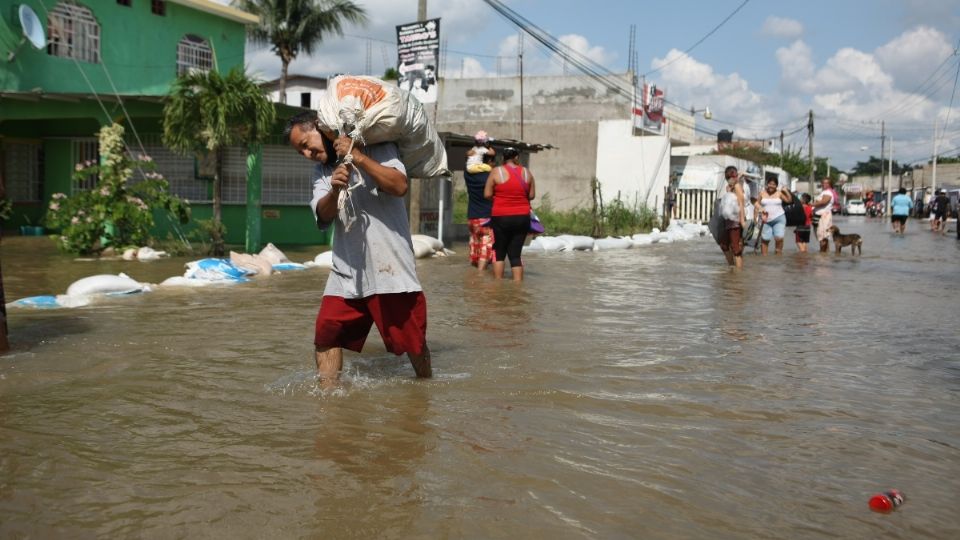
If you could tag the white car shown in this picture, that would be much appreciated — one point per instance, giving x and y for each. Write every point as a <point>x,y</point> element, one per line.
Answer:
<point>855,208</point>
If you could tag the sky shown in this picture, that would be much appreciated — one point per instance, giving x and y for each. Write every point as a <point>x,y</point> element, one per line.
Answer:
<point>855,63</point>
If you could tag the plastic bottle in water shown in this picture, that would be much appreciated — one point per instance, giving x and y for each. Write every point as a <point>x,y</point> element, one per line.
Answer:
<point>887,502</point>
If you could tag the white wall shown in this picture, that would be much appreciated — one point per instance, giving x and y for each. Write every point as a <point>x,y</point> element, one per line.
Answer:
<point>293,95</point>
<point>638,168</point>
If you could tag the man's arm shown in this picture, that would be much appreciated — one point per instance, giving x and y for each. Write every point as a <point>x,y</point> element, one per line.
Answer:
<point>388,179</point>
<point>326,207</point>
<point>488,188</point>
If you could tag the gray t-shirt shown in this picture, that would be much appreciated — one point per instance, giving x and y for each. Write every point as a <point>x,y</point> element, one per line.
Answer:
<point>376,255</point>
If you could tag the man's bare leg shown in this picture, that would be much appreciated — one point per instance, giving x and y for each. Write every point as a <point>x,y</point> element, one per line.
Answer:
<point>329,364</point>
<point>778,246</point>
<point>421,363</point>
<point>729,255</point>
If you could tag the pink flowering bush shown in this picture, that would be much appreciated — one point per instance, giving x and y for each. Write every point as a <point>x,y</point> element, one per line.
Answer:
<point>115,212</point>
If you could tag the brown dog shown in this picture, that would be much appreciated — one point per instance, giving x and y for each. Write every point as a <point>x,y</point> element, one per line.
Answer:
<point>843,240</point>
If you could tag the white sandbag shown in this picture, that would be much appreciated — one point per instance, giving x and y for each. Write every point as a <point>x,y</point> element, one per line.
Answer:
<point>323,260</point>
<point>577,243</point>
<point>694,229</point>
<point>422,248</point>
<point>642,240</point>
<point>678,233</point>
<point>273,255</point>
<point>180,281</point>
<point>547,243</point>
<point>610,242</point>
<point>149,254</point>
<point>129,254</point>
<point>434,243</point>
<point>255,264</point>
<point>104,284</point>
<point>379,111</point>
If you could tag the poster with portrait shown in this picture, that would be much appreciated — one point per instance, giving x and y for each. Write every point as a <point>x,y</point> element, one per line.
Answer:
<point>418,57</point>
<point>653,118</point>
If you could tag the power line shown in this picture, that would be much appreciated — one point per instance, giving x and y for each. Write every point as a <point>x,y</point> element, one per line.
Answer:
<point>701,40</point>
<point>950,107</point>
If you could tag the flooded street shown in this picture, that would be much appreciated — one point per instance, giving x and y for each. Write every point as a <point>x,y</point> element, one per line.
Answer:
<point>647,393</point>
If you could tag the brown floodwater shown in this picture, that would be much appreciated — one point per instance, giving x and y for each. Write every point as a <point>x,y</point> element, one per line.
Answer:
<point>647,392</point>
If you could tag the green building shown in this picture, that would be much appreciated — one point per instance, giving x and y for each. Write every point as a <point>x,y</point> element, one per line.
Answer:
<point>114,61</point>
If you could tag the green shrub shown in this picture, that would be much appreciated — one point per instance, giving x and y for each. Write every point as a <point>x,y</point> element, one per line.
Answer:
<point>114,212</point>
<point>616,219</point>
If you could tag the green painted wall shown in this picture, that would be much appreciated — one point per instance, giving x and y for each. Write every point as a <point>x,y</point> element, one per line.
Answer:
<point>291,225</point>
<point>137,48</point>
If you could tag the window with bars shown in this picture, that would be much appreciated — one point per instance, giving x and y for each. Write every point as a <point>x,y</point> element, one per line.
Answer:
<point>193,53</point>
<point>177,169</point>
<point>22,170</point>
<point>158,7</point>
<point>124,2</point>
<point>287,179</point>
<point>73,32</point>
<point>85,152</point>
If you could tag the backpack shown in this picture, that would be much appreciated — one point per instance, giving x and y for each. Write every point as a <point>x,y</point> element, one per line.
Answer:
<point>794,211</point>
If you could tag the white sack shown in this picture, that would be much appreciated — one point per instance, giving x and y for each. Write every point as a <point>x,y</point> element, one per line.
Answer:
<point>104,284</point>
<point>380,111</point>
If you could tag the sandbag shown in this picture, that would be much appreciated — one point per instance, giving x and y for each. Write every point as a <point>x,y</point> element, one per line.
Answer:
<point>547,243</point>
<point>642,240</point>
<point>50,302</point>
<point>610,242</point>
<point>288,267</point>
<point>375,111</point>
<point>422,248</point>
<point>104,284</point>
<point>577,243</point>
<point>434,243</point>
<point>256,264</point>
<point>323,260</point>
<point>273,255</point>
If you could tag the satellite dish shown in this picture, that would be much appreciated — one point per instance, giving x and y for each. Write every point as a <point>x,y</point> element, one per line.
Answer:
<point>32,31</point>
<point>32,27</point>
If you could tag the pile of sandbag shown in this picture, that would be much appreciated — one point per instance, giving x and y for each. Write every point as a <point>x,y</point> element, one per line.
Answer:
<point>372,111</point>
<point>85,290</point>
<point>678,231</point>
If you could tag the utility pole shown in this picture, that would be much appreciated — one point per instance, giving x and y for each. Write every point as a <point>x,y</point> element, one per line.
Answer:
<point>936,128</point>
<point>813,169</point>
<point>520,64</point>
<point>416,188</point>
<point>781,151</point>
<point>890,179</point>
<point>883,149</point>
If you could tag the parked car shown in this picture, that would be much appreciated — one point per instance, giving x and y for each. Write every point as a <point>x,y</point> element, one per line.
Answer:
<point>855,207</point>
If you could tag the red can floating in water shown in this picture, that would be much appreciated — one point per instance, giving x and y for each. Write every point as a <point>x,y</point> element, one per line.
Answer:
<point>887,502</point>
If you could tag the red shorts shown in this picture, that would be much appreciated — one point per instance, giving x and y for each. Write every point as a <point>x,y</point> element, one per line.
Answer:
<point>401,319</point>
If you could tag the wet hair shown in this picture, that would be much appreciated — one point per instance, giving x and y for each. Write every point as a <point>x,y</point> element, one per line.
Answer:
<point>728,169</point>
<point>806,198</point>
<point>307,121</point>
<point>510,153</point>
<point>902,191</point>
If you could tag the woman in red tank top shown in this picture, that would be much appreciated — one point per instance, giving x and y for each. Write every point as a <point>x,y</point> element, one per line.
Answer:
<point>511,187</point>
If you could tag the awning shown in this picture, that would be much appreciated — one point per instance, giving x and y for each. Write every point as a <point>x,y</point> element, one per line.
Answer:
<point>698,178</point>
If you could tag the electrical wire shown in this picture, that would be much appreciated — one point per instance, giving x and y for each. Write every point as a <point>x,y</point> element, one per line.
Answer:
<point>701,40</point>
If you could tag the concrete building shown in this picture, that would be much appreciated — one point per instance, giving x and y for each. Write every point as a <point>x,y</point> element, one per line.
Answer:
<point>302,90</point>
<point>588,123</point>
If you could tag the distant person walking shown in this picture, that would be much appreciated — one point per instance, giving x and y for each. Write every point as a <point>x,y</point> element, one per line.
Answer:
<point>478,215</point>
<point>734,218</point>
<point>802,232</point>
<point>900,210</point>
<point>941,211</point>
<point>770,209</point>
<point>823,214</point>
<point>511,187</point>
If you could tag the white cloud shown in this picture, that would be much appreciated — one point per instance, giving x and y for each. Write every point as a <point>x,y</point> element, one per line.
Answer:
<point>688,82</point>
<point>912,56</point>
<point>782,27</point>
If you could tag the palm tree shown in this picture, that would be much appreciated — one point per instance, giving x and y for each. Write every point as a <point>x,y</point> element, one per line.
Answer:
<point>208,111</point>
<point>294,26</point>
